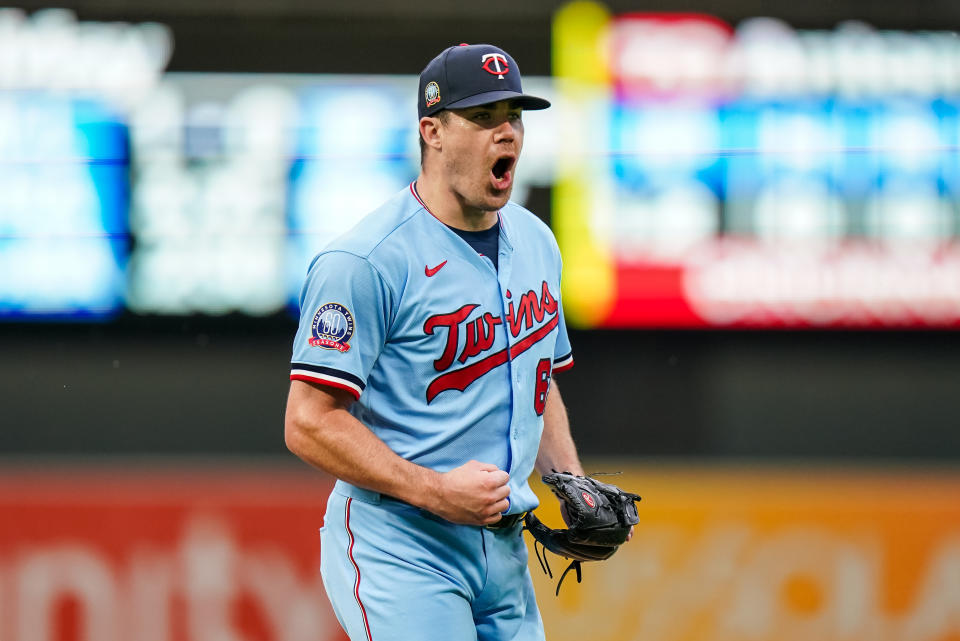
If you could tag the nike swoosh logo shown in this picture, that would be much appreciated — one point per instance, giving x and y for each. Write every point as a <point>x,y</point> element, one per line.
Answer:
<point>430,271</point>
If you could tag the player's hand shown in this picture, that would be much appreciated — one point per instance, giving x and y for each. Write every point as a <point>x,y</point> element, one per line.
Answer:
<point>473,494</point>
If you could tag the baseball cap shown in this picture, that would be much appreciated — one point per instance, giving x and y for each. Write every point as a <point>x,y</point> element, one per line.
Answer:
<point>470,75</point>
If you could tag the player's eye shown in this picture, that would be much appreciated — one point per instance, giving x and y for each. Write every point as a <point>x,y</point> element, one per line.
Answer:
<point>481,115</point>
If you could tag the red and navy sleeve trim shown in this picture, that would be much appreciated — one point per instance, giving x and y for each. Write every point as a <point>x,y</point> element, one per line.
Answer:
<point>327,376</point>
<point>563,363</point>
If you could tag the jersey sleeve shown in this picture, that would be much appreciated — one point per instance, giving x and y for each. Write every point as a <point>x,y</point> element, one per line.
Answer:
<point>562,352</point>
<point>345,310</point>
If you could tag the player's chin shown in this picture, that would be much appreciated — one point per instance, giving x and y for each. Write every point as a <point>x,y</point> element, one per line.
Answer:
<point>497,198</point>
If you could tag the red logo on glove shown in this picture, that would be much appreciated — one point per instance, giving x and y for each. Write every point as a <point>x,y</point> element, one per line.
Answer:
<point>588,499</point>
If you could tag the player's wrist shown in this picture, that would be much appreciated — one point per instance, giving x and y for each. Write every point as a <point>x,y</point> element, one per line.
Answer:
<point>425,489</point>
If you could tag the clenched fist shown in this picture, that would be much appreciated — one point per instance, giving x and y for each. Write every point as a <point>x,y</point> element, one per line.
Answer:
<point>473,494</point>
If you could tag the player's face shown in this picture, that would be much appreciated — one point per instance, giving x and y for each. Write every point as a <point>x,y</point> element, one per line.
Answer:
<point>481,147</point>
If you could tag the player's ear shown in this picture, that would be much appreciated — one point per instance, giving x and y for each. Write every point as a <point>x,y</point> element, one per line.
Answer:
<point>430,131</point>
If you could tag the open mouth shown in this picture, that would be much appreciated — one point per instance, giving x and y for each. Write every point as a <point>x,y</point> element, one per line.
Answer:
<point>501,168</point>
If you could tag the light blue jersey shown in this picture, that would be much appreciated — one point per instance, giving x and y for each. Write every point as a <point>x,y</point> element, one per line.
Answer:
<point>450,359</point>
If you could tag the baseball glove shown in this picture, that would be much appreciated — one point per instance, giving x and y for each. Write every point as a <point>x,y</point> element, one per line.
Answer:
<point>600,516</point>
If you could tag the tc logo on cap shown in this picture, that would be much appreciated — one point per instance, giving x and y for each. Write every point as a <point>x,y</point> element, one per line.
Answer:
<point>432,94</point>
<point>495,60</point>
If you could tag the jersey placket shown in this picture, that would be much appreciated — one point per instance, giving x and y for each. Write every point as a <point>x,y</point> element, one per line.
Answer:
<point>502,274</point>
<point>505,261</point>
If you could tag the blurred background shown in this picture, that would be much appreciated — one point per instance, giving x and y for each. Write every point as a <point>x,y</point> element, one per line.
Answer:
<point>758,206</point>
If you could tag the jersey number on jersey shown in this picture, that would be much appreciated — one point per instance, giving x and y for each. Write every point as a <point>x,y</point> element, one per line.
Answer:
<point>542,386</point>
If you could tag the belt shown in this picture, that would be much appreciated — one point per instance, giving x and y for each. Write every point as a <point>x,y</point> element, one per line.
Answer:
<point>345,489</point>
<point>506,522</point>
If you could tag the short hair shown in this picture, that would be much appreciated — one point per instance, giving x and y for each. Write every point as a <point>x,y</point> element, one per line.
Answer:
<point>444,116</point>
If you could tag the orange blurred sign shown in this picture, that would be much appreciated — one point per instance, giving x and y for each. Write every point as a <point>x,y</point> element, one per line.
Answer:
<point>803,555</point>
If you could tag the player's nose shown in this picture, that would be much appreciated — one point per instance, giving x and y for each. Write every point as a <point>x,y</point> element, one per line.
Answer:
<point>504,132</point>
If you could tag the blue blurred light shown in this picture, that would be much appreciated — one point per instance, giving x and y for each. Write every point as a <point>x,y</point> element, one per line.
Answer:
<point>63,215</point>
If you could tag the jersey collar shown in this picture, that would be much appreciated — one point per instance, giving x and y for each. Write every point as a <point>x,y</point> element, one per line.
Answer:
<point>504,232</point>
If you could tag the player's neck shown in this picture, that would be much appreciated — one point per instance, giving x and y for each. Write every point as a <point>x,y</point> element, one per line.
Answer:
<point>449,208</point>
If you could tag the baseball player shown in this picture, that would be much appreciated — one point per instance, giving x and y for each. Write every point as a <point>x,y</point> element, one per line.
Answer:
<point>422,377</point>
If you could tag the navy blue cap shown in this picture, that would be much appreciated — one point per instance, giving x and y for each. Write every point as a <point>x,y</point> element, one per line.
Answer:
<point>471,75</point>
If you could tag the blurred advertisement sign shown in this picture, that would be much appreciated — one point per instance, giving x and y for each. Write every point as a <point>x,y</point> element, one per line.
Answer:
<point>664,54</point>
<point>232,554</point>
<point>809,172</point>
<point>50,51</point>
<point>765,555</point>
<point>164,556</point>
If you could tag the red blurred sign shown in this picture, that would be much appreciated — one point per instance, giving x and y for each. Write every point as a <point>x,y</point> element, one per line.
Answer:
<point>164,556</point>
<point>747,284</point>
<point>669,53</point>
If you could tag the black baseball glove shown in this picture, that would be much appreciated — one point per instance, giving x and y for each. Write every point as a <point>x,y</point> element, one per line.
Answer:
<point>600,516</point>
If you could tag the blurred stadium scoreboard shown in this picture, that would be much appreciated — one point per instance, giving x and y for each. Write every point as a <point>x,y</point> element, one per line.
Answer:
<point>63,221</point>
<point>706,176</point>
<point>757,176</point>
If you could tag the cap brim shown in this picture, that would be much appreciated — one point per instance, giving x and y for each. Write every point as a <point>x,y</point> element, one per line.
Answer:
<point>526,101</point>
